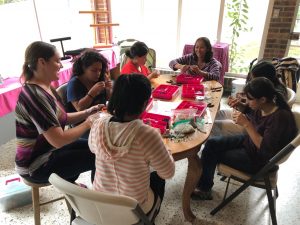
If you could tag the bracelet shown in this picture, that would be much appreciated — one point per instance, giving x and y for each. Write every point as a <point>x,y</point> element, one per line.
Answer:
<point>88,94</point>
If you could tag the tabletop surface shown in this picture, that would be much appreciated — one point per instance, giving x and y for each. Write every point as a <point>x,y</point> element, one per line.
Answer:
<point>197,138</point>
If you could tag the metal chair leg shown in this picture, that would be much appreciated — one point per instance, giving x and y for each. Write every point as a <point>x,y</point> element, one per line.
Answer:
<point>270,200</point>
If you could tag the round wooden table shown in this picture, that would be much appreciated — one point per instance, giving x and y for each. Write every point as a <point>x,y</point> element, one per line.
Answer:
<point>189,149</point>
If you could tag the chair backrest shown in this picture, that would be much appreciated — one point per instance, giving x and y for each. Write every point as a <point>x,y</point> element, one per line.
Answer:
<point>62,92</point>
<point>150,61</point>
<point>297,118</point>
<point>97,207</point>
<point>291,97</point>
<point>288,71</point>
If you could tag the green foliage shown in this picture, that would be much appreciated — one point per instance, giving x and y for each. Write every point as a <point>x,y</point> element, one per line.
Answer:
<point>237,11</point>
<point>2,2</point>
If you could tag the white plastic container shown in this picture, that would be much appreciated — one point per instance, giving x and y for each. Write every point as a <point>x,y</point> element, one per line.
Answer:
<point>237,86</point>
<point>13,193</point>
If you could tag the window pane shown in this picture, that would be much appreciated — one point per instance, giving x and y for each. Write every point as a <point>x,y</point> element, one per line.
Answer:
<point>248,42</point>
<point>160,29</point>
<point>61,18</point>
<point>18,28</point>
<point>294,50</point>
<point>199,19</point>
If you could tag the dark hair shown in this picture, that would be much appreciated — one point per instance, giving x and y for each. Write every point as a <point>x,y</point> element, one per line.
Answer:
<point>137,49</point>
<point>33,52</point>
<point>209,53</point>
<point>267,70</point>
<point>130,92</point>
<point>263,87</point>
<point>88,58</point>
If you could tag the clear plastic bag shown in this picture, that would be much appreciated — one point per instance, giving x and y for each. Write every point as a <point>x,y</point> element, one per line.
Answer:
<point>183,114</point>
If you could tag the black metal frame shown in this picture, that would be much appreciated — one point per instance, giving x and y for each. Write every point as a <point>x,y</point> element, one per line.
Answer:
<point>262,174</point>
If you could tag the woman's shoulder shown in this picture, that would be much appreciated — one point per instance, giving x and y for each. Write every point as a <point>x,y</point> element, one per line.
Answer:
<point>214,61</point>
<point>128,68</point>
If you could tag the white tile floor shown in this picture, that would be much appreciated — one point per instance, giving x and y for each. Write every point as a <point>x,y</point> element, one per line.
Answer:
<point>249,208</point>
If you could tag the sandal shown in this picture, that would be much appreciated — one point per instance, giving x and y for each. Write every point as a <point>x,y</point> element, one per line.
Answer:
<point>201,195</point>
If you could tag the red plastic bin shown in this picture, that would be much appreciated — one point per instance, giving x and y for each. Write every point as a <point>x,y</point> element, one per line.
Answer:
<point>192,90</point>
<point>156,121</point>
<point>201,106</point>
<point>189,79</point>
<point>165,91</point>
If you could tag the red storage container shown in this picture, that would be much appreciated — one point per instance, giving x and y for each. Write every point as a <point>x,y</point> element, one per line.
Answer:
<point>192,90</point>
<point>150,104</point>
<point>156,120</point>
<point>201,106</point>
<point>165,91</point>
<point>189,79</point>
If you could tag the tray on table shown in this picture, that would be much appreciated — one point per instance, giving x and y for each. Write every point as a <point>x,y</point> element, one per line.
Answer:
<point>156,121</point>
<point>189,79</point>
<point>200,106</point>
<point>192,90</point>
<point>165,91</point>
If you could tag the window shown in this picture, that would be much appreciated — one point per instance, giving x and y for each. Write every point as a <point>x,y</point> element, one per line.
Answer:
<point>248,42</point>
<point>155,22</point>
<point>15,35</point>
<point>294,49</point>
<point>55,18</point>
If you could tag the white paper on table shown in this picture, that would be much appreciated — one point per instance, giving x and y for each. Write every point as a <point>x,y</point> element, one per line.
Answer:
<point>163,107</point>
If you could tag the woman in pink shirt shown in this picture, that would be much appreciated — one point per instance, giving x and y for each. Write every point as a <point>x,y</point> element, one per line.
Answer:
<point>137,55</point>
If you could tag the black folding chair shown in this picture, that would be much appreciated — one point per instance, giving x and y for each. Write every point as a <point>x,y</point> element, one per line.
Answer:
<point>266,178</point>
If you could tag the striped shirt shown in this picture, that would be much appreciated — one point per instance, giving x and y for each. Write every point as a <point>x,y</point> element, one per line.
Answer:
<point>213,67</point>
<point>125,152</point>
<point>36,111</point>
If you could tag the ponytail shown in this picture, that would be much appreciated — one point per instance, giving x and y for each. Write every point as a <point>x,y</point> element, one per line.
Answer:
<point>281,102</point>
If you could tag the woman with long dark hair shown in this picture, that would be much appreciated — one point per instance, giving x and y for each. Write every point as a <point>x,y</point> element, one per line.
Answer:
<point>90,83</point>
<point>201,61</point>
<point>269,125</point>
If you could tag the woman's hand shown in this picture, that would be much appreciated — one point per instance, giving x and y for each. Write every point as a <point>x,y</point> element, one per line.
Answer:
<point>108,84</point>
<point>240,118</point>
<point>184,68</point>
<point>94,109</point>
<point>154,74</point>
<point>233,102</point>
<point>97,89</point>
<point>195,69</point>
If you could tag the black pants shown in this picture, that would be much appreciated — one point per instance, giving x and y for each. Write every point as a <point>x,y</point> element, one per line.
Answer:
<point>68,162</point>
<point>228,150</point>
<point>157,185</point>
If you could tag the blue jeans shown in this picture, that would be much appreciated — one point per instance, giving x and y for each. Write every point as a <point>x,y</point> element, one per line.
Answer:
<point>228,150</point>
<point>68,162</point>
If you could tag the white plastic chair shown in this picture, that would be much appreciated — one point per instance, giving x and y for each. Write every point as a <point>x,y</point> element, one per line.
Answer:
<point>93,207</point>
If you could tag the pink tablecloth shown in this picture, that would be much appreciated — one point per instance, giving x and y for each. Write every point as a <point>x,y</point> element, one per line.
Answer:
<point>110,55</point>
<point>221,53</point>
<point>10,89</point>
